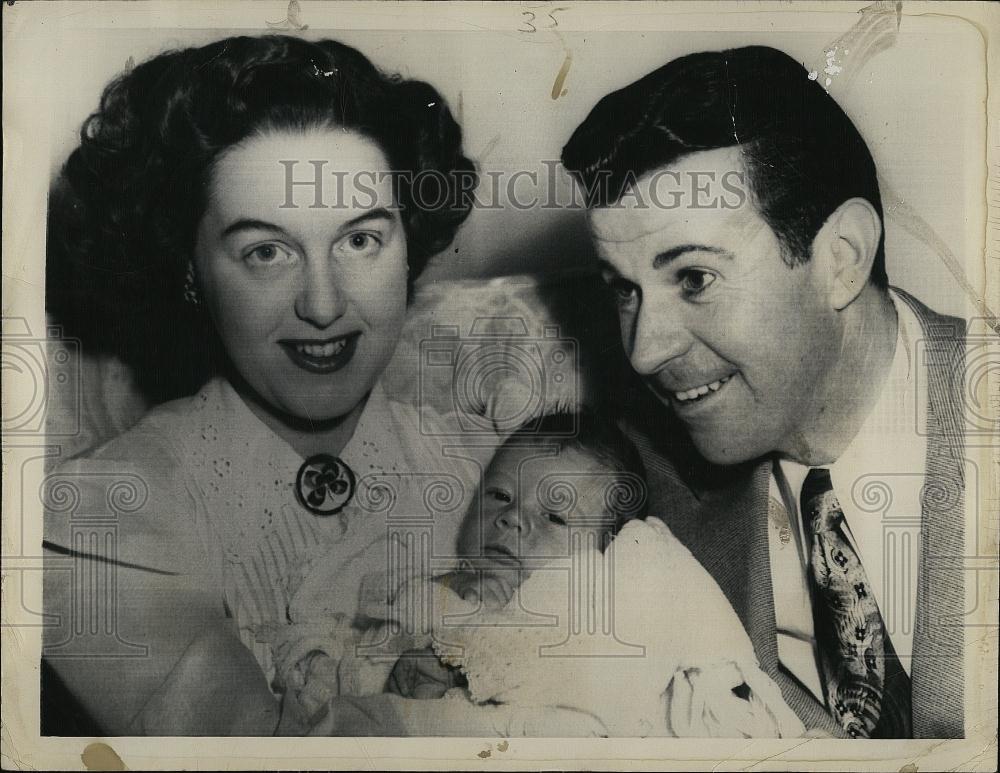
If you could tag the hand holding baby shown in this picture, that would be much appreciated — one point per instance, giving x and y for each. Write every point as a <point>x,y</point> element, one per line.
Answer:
<point>420,674</point>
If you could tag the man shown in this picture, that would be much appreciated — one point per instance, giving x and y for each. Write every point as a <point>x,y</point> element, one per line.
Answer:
<point>737,215</point>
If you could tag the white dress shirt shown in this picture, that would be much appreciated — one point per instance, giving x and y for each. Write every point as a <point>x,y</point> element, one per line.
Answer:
<point>877,480</point>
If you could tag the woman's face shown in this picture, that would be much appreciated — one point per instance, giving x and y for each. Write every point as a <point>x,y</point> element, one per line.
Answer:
<point>301,260</point>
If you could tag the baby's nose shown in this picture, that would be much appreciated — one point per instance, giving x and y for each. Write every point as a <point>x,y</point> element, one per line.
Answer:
<point>510,520</point>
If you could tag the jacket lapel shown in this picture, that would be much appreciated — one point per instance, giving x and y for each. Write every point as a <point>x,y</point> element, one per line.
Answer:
<point>729,537</point>
<point>937,672</point>
<point>732,546</point>
<point>720,515</point>
<point>735,550</point>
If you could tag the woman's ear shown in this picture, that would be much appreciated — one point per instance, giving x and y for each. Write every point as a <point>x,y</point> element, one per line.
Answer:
<point>847,243</point>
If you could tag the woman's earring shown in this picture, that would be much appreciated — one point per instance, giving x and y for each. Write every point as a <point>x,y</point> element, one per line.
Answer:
<point>190,288</point>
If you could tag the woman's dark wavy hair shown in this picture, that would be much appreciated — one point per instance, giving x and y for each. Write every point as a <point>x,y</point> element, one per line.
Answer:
<point>803,156</point>
<point>124,212</point>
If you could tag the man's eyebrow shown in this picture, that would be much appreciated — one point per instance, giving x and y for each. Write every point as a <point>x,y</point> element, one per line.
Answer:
<point>673,253</point>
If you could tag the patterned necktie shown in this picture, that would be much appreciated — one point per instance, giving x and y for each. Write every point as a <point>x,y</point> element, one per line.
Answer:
<point>849,630</point>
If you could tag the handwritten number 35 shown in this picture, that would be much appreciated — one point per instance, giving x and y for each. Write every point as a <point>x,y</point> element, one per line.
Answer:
<point>529,25</point>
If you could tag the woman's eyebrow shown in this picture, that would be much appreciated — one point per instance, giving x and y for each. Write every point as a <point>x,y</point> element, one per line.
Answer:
<point>251,224</point>
<point>247,224</point>
<point>379,213</point>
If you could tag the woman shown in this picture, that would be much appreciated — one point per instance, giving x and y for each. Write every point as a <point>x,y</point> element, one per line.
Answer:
<point>229,224</point>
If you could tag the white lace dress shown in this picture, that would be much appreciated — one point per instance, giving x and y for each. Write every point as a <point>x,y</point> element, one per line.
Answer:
<point>213,504</point>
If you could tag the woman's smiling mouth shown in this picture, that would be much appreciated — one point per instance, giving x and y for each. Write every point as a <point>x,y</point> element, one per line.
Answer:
<point>321,356</point>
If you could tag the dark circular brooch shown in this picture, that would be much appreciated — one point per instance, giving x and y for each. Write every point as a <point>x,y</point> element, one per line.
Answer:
<point>324,484</point>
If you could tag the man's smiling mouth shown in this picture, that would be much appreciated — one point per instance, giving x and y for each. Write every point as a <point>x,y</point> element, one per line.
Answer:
<point>697,393</point>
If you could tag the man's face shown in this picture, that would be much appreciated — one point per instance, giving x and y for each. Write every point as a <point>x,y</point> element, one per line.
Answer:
<point>712,318</point>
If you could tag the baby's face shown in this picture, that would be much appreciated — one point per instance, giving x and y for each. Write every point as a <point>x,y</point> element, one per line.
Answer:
<point>529,505</point>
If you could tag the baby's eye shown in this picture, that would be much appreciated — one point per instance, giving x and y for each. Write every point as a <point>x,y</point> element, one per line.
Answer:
<point>499,495</point>
<point>556,519</point>
<point>268,254</point>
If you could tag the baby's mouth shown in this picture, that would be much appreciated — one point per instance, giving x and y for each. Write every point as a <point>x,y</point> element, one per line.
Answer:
<point>502,555</point>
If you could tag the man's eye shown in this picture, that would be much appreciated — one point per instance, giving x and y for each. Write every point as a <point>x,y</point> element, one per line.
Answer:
<point>269,254</point>
<point>361,243</point>
<point>694,281</point>
<point>556,519</point>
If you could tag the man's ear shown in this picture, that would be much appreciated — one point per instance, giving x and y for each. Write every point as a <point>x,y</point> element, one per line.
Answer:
<point>847,243</point>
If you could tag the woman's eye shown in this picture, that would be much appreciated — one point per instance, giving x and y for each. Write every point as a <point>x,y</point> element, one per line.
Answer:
<point>694,281</point>
<point>556,519</point>
<point>625,292</point>
<point>362,243</point>
<point>269,254</point>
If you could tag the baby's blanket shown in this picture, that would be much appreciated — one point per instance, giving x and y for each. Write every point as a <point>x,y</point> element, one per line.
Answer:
<point>640,637</point>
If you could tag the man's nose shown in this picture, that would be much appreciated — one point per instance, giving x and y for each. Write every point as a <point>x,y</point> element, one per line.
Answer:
<point>320,300</point>
<point>659,335</point>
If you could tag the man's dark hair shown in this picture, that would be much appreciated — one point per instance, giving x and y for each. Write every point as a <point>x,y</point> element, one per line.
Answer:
<point>803,156</point>
<point>599,437</point>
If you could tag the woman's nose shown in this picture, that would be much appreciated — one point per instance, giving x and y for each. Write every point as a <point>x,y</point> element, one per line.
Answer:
<point>320,301</point>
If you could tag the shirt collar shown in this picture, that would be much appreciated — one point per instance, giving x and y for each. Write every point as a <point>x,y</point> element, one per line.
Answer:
<point>373,430</point>
<point>245,473</point>
<point>893,422</point>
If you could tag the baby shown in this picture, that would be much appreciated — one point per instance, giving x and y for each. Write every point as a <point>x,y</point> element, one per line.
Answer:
<point>570,477</point>
<point>566,476</point>
<point>565,493</point>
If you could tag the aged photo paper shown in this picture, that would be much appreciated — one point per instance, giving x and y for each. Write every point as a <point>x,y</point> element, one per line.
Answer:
<point>551,385</point>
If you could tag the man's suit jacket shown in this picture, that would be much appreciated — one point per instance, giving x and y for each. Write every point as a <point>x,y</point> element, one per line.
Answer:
<point>721,514</point>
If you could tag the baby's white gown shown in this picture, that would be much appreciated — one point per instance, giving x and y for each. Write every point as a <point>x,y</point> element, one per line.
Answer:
<point>639,637</point>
